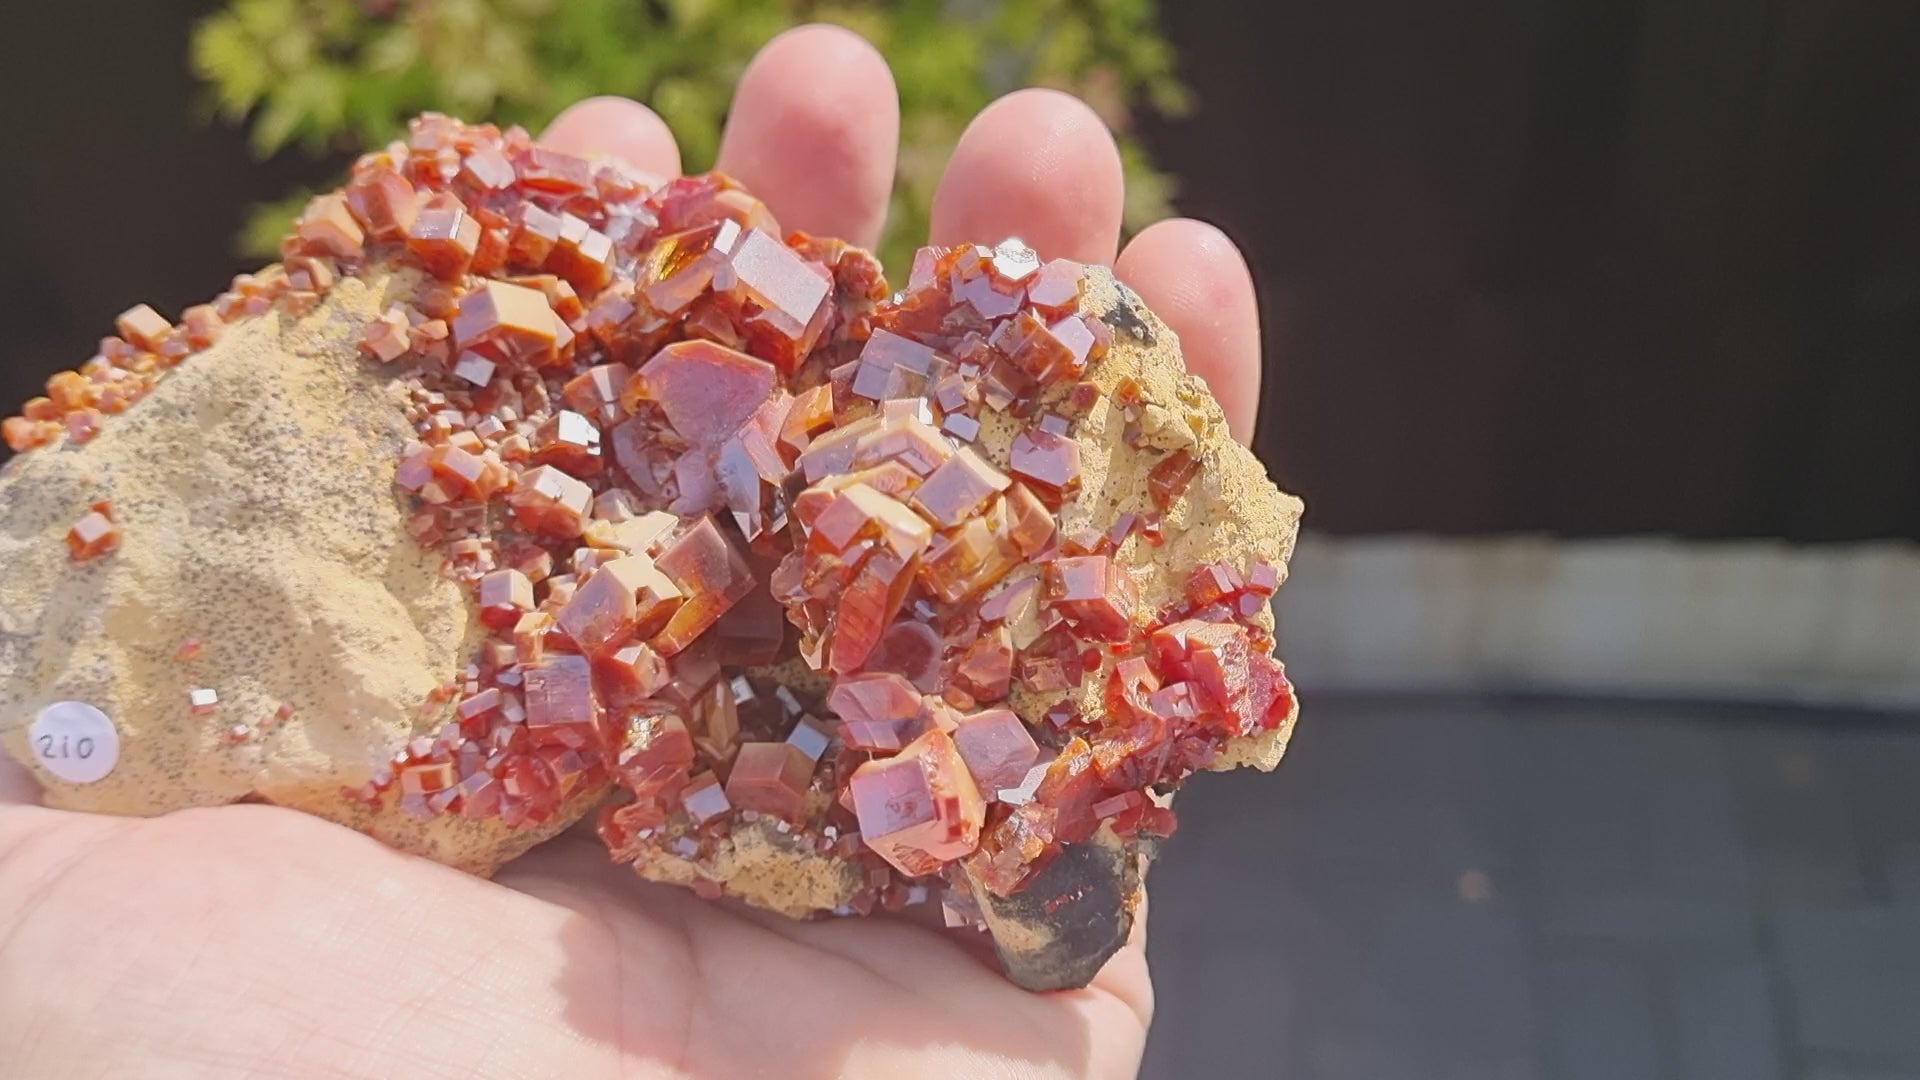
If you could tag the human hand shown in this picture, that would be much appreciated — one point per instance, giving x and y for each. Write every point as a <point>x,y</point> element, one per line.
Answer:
<point>249,939</point>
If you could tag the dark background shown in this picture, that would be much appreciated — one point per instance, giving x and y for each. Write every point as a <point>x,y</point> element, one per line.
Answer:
<point>1576,266</point>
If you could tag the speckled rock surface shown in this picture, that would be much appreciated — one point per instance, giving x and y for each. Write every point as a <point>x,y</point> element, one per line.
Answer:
<point>254,495</point>
<point>1232,511</point>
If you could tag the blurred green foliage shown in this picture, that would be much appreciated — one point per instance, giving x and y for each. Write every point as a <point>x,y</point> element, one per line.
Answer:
<point>344,75</point>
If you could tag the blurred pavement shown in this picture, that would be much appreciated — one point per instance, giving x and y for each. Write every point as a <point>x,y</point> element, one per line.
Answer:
<point>1452,889</point>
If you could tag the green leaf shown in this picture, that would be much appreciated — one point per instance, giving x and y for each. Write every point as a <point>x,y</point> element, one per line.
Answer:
<point>1150,191</point>
<point>393,49</point>
<point>225,58</point>
<point>327,73</point>
<point>275,125</point>
<point>268,223</point>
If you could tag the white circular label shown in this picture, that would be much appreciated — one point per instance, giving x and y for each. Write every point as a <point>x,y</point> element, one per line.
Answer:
<point>75,741</point>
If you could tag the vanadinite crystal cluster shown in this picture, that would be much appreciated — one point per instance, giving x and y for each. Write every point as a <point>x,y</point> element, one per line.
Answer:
<point>831,599</point>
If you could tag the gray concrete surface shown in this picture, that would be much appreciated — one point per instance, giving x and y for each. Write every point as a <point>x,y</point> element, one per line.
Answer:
<point>1440,889</point>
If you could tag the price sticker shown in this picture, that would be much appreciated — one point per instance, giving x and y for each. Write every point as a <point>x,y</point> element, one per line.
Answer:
<point>75,742</point>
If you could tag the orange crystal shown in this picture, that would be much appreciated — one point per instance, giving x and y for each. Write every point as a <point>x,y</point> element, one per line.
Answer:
<point>772,778</point>
<point>444,237</point>
<point>327,227</point>
<point>94,534</point>
<point>920,809</point>
<point>514,320</point>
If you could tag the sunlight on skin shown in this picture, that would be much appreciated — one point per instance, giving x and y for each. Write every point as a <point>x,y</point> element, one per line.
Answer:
<point>247,938</point>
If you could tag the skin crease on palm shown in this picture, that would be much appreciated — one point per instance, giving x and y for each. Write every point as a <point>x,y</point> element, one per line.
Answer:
<point>248,940</point>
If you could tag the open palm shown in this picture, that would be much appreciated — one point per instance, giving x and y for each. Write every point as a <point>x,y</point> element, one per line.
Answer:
<point>248,939</point>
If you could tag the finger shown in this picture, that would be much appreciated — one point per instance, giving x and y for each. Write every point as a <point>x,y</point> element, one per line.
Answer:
<point>814,131</point>
<point>624,129</point>
<point>1126,976</point>
<point>17,785</point>
<point>1193,276</point>
<point>576,858</point>
<point>1040,165</point>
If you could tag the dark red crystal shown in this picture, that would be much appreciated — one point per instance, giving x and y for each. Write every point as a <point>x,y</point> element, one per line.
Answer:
<point>711,573</point>
<point>771,777</point>
<point>706,390</point>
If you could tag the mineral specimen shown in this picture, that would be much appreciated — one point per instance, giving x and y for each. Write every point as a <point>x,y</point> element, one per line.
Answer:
<point>524,488</point>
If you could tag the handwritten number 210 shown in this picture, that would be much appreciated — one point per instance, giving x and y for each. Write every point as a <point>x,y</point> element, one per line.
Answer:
<point>52,749</point>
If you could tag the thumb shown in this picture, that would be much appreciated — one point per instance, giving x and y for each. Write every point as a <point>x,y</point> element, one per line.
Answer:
<point>17,785</point>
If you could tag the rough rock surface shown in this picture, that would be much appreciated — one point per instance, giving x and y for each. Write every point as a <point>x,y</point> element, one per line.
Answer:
<point>1231,511</point>
<point>264,556</point>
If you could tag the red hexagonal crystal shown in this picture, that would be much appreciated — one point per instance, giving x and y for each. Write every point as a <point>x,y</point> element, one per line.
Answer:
<point>582,255</point>
<point>1217,658</point>
<point>543,169</point>
<point>463,473</point>
<point>706,390</point>
<point>550,502</point>
<point>713,575</point>
<point>892,366</point>
<point>985,670</point>
<point>791,296</point>
<point>959,488</point>
<point>622,599</point>
<point>966,561</point>
<point>561,708</point>
<point>771,777</point>
<point>875,698</point>
<point>1030,525</point>
<point>486,169</point>
<point>1047,461</point>
<point>680,268</point>
<point>327,227</point>
<point>866,606</point>
<point>93,535</point>
<point>1057,286</point>
<point>811,413</point>
<point>386,338</point>
<point>704,799</point>
<point>630,674</point>
<point>907,440</point>
<point>596,392</point>
<point>203,325</point>
<point>1168,479</point>
<point>444,237</point>
<point>1049,354</point>
<point>1011,602</point>
<point>569,442</point>
<point>997,748</point>
<point>382,201</point>
<point>920,809</point>
<point>505,595</point>
<point>143,326</point>
<point>1095,592</point>
<point>532,233</point>
<point>657,755</point>
<point>513,319</point>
